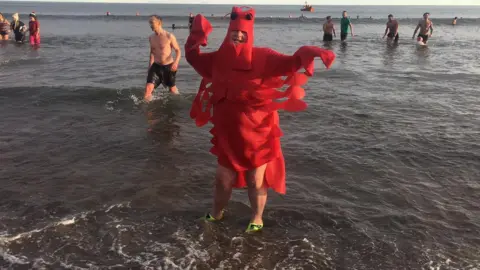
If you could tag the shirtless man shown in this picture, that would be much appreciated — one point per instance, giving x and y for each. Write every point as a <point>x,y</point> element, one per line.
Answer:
<point>328,30</point>
<point>162,67</point>
<point>392,28</point>
<point>425,27</point>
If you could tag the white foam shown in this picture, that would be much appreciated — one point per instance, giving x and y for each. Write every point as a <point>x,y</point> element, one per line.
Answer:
<point>124,204</point>
<point>66,222</point>
<point>12,259</point>
<point>5,238</point>
<point>136,100</point>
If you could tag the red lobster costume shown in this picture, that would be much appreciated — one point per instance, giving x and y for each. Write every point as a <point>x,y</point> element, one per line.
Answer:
<point>240,85</point>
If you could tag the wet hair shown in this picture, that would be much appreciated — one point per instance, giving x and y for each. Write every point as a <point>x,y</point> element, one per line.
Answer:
<point>329,17</point>
<point>426,13</point>
<point>390,16</point>
<point>156,18</point>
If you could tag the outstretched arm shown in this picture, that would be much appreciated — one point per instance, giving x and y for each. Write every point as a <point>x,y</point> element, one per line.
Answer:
<point>278,64</point>
<point>201,62</point>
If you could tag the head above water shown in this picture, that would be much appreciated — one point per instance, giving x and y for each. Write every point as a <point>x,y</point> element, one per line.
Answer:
<point>390,17</point>
<point>241,25</point>
<point>344,14</point>
<point>238,37</point>
<point>237,47</point>
<point>155,22</point>
<point>426,15</point>
<point>329,18</point>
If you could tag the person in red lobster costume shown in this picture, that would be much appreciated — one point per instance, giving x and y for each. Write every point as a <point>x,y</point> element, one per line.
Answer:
<point>238,95</point>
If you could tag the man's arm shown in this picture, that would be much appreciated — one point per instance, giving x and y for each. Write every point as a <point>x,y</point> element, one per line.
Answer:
<point>178,52</point>
<point>386,31</point>
<point>351,27</point>
<point>396,30</point>
<point>416,29</point>
<point>152,57</point>
<point>333,29</point>
<point>431,28</point>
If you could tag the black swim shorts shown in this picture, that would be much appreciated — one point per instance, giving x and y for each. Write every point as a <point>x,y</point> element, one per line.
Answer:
<point>161,74</point>
<point>343,36</point>
<point>425,37</point>
<point>19,37</point>
<point>390,35</point>
<point>327,37</point>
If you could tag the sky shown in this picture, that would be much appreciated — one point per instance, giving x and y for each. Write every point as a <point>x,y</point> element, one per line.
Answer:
<point>292,2</point>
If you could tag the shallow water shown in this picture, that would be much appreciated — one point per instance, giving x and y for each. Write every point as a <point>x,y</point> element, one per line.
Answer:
<point>382,168</point>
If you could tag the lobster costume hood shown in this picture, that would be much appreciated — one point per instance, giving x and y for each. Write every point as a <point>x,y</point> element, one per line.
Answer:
<point>240,55</point>
<point>239,95</point>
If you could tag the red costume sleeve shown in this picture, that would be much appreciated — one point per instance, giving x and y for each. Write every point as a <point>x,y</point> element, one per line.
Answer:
<point>201,62</point>
<point>281,64</point>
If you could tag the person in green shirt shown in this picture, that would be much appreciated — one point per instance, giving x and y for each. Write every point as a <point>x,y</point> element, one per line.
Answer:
<point>345,23</point>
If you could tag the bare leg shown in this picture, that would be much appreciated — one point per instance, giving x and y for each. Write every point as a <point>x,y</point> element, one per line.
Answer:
<point>257,193</point>
<point>224,181</point>
<point>148,92</point>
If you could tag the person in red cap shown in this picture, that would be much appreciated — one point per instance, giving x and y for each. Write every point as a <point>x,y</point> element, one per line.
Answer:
<point>34,29</point>
<point>238,93</point>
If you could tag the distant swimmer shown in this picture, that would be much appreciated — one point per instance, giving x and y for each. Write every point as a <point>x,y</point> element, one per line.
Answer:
<point>190,21</point>
<point>173,26</point>
<point>454,22</point>
<point>345,23</point>
<point>162,67</point>
<point>391,29</point>
<point>329,29</point>
<point>4,28</point>
<point>18,28</point>
<point>34,29</point>
<point>426,28</point>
